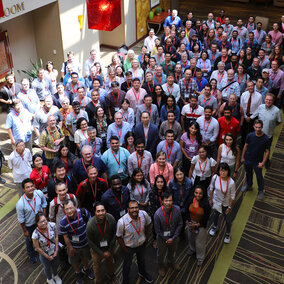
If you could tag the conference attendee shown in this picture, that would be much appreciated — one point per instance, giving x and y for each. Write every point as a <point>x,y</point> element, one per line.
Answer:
<point>19,124</point>
<point>159,77</point>
<point>133,231</point>
<point>149,41</point>
<point>147,131</point>
<point>81,165</point>
<point>252,43</point>
<point>171,148</point>
<point>263,61</point>
<point>228,124</point>
<point>259,33</point>
<point>168,224</point>
<point>225,58</point>
<point>90,190</point>
<point>135,69</point>
<point>222,196</point>
<point>170,105</point>
<point>228,86</point>
<point>50,140</point>
<point>187,86</point>
<point>276,35</point>
<point>159,56</point>
<point>236,42</point>
<point>127,113</point>
<point>42,85</point>
<point>101,230</point>
<point>141,159</point>
<point>190,112</point>
<point>96,101</point>
<point>82,98</point>
<point>198,212</point>
<point>250,101</point>
<point>207,99</point>
<point>170,123</point>
<point>73,227</point>
<point>260,88</point>
<point>118,128</point>
<point>213,54</point>
<point>220,75</point>
<point>254,156</point>
<point>233,64</point>
<point>229,153</point>
<point>19,162</point>
<point>242,31</point>
<point>139,189</point>
<point>96,86</point>
<point>28,97</point>
<point>151,108</point>
<point>178,73</point>
<point>228,28</point>
<point>60,176</point>
<point>71,61</point>
<point>95,142</point>
<point>10,91</point>
<point>2,181</point>
<point>241,77</point>
<point>136,94</point>
<point>149,84</point>
<point>81,133</point>
<point>40,119</point>
<point>29,204</point>
<point>45,242</point>
<point>90,62</point>
<point>71,123</point>
<point>268,45</point>
<point>114,99</point>
<point>171,88</point>
<point>161,167</point>
<point>168,65</point>
<point>277,77</point>
<point>129,142</point>
<point>73,86</point>
<point>40,174</point>
<point>115,160</point>
<point>254,71</point>
<point>116,198</point>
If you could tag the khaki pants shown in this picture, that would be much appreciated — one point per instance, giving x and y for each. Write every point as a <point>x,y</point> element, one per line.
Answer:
<point>97,261</point>
<point>197,243</point>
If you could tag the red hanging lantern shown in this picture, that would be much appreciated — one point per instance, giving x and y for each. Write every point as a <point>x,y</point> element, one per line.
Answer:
<point>104,15</point>
<point>1,9</point>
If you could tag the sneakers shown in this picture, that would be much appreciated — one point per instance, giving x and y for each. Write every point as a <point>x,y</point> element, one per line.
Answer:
<point>227,238</point>
<point>33,259</point>
<point>89,273</point>
<point>260,195</point>
<point>2,181</point>
<point>213,231</point>
<point>50,281</point>
<point>246,188</point>
<point>79,278</point>
<point>162,271</point>
<point>57,279</point>
<point>199,262</point>
<point>147,277</point>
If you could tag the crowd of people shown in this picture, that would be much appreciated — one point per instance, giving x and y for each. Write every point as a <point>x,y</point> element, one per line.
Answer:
<point>151,147</point>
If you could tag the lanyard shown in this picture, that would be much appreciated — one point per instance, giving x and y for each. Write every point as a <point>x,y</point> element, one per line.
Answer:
<point>125,118</point>
<point>102,233</point>
<point>47,238</point>
<point>222,186</point>
<point>132,150</point>
<point>219,77</point>
<point>227,150</point>
<point>95,105</point>
<point>118,161</point>
<point>84,102</point>
<point>53,137</point>
<point>89,142</point>
<point>102,126</point>
<point>116,100</point>
<point>141,194</point>
<point>33,208</point>
<point>75,89</point>
<point>137,98</point>
<point>137,231</point>
<point>151,89</point>
<point>170,93</point>
<point>177,77</point>
<point>168,155</point>
<point>120,132</point>
<point>128,85</point>
<point>85,165</point>
<point>206,129</point>
<point>159,81</point>
<point>42,177</point>
<point>18,116</point>
<point>74,231</point>
<point>139,165</point>
<point>273,77</point>
<point>65,162</point>
<point>119,202</point>
<point>13,92</point>
<point>202,171</point>
<point>147,110</point>
<point>186,85</point>
<point>194,211</point>
<point>96,187</point>
<point>83,134</point>
<point>199,83</point>
<point>167,222</point>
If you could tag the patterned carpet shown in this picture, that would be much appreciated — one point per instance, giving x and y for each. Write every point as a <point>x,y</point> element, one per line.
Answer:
<point>259,255</point>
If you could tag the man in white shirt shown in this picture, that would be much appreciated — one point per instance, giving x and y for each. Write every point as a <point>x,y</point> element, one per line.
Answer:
<point>149,41</point>
<point>171,88</point>
<point>91,61</point>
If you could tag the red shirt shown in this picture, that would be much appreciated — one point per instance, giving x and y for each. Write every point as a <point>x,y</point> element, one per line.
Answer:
<point>232,127</point>
<point>40,181</point>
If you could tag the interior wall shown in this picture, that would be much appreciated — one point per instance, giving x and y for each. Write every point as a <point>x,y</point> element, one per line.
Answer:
<point>142,13</point>
<point>74,39</point>
<point>47,34</point>
<point>130,22</point>
<point>21,37</point>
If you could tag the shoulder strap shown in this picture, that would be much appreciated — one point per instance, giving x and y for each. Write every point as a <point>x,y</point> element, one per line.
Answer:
<point>45,236</point>
<point>227,85</point>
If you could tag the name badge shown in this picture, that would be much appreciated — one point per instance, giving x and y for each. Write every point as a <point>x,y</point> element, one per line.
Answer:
<point>223,136</point>
<point>103,135</point>
<point>120,171</point>
<point>75,239</point>
<point>122,213</point>
<point>202,178</point>
<point>116,109</point>
<point>103,244</point>
<point>186,96</point>
<point>167,233</point>
<point>192,149</point>
<point>50,251</point>
<point>141,240</point>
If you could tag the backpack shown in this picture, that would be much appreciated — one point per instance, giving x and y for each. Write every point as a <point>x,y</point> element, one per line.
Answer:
<point>71,196</point>
<point>84,215</point>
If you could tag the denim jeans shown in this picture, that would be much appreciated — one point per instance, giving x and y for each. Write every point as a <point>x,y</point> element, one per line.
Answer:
<point>249,176</point>
<point>49,266</point>
<point>29,242</point>
<point>140,254</point>
<point>226,217</point>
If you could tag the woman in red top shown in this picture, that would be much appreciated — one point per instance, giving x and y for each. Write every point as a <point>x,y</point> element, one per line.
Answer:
<point>40,174</point>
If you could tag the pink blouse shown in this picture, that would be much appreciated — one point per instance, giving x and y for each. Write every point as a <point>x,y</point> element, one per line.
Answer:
<point>168,172</point>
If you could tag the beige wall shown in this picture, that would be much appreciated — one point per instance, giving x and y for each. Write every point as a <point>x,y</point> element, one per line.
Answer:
<point>22,42</point>
<point>80,42</point>
<point>48,35</point>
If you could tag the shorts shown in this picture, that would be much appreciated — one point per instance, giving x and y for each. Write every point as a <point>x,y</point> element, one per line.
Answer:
<point>81,253</point>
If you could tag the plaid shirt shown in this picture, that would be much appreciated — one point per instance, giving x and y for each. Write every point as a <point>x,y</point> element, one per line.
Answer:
<point>187,89</point>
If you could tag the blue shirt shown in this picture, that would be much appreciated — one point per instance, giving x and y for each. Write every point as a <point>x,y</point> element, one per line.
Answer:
<point>117,210</point>
<point>172,155</point>
<point>80,229</point>
<point>89,81</point>
<point>263,92</point>
<point>201,84</point>
<point>169,21</point>
<point>80,169</point>
<point>164,113</point>
<point>120,132</point>
<point>29,100</point>
<point>158,82</point>
<point>26,212</point>
<point>102,94</point>
<point>111,159</point>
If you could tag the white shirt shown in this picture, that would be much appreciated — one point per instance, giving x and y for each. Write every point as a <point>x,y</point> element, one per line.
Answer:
<point>227,155</point>
<point>150,42</point>
<point>256,101</point>
<point>202,169</point>
<point>221,79</point>
<point>208,129</point>
<point>174,90</point>
<point>20,166</point>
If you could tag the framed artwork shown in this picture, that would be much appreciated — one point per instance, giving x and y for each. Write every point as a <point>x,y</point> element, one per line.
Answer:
<point>154,3</point>
<point>6,64</point>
